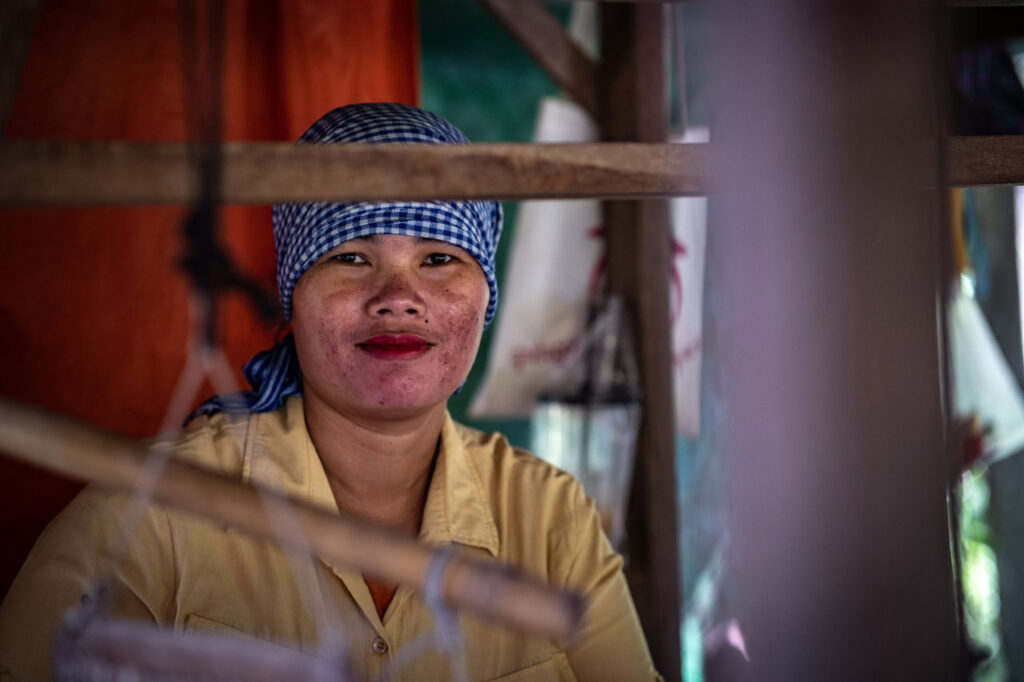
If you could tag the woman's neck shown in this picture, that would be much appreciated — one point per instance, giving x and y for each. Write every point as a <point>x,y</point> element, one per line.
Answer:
<point>378,470</point>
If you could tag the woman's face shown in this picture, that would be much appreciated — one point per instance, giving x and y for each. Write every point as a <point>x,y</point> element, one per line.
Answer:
<point>388,325</point>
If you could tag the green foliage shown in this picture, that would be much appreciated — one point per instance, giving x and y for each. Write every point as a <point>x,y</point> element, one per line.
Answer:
<point>980,576</point>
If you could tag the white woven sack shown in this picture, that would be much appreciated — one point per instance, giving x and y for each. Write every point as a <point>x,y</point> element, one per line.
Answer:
<point>555,266</point>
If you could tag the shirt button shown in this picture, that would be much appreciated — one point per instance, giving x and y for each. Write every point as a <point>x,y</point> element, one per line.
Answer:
<point>379,646</point>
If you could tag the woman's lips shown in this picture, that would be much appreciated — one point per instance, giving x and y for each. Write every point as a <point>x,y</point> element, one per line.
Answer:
<point>395,347</point>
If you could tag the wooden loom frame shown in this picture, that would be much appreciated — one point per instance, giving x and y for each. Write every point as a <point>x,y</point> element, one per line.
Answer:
<point>624,93</point>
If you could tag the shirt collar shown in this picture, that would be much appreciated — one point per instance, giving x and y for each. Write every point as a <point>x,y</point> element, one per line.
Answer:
<point>280,455</point>
<point>457,507</point>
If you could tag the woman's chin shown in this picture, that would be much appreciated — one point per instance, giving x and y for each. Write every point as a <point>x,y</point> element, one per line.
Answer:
<point>386,397</point>
<point>393,405</point>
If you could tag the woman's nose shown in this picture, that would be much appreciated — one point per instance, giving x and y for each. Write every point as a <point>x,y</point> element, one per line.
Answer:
<point>396,294</point>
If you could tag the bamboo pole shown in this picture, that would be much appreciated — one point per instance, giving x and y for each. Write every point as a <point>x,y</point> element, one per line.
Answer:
<point>488,589</point>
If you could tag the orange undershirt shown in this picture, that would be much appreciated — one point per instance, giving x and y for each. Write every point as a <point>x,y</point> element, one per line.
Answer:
<point>382,595</point>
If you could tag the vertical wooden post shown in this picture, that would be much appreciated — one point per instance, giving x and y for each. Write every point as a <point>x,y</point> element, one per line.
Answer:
<point>824,261</point>
<point>633,106</point>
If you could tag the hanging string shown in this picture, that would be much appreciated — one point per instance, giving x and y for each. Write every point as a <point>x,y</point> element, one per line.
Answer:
<point>205,261</point>
<point>213,273</point>
<point>447,633</point>
<point>207,264</point>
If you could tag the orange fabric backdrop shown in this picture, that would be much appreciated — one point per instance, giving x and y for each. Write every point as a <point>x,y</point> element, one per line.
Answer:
<point>92,309</point>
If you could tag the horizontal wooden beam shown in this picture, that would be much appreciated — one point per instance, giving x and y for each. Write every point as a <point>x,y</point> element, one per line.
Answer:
<point>545,39</point>
<point>48,173</point>
<point>986,160</point>
<point>114,173</point>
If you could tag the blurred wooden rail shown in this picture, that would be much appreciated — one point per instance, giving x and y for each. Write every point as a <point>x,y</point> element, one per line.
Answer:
<point>489,589</point>
<point>111,173</point>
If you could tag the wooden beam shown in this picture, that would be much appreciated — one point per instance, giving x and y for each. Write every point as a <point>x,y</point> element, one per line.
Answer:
<point>49,173</point>
<point>546,40</point>
<point>110,173</point>
<point>17,20</point>
<point>639,243</point>
<point>986,160</point>
<point>487,588</point>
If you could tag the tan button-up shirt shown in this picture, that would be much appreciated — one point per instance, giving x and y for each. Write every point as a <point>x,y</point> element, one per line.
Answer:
<point>485,497</point>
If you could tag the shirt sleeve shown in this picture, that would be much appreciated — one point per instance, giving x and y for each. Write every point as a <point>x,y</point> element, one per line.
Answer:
<point>63,570</point>
<point>610,644</point>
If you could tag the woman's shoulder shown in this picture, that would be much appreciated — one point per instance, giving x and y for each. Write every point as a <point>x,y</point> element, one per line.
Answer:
<point>528,497</point>
<point>501,462</point>
<point>214,441</point>
<point>269,448</point>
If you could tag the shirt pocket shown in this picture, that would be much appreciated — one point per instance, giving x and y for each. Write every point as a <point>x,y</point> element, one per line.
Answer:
<point>196,624</point>
<point>266,659</point>
<point>199,624</point>
<point>555,669</point>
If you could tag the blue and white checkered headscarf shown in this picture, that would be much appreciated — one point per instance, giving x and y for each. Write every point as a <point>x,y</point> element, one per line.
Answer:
<point>305,232</point>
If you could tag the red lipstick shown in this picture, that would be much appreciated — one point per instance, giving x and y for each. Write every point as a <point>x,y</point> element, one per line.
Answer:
<point>385,346</point>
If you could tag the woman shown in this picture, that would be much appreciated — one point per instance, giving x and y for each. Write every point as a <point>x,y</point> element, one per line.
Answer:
<point>387,304</point>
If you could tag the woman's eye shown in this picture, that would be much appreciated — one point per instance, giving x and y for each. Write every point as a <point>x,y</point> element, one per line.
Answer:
<point>439,259</point>
<point>348,258</point>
